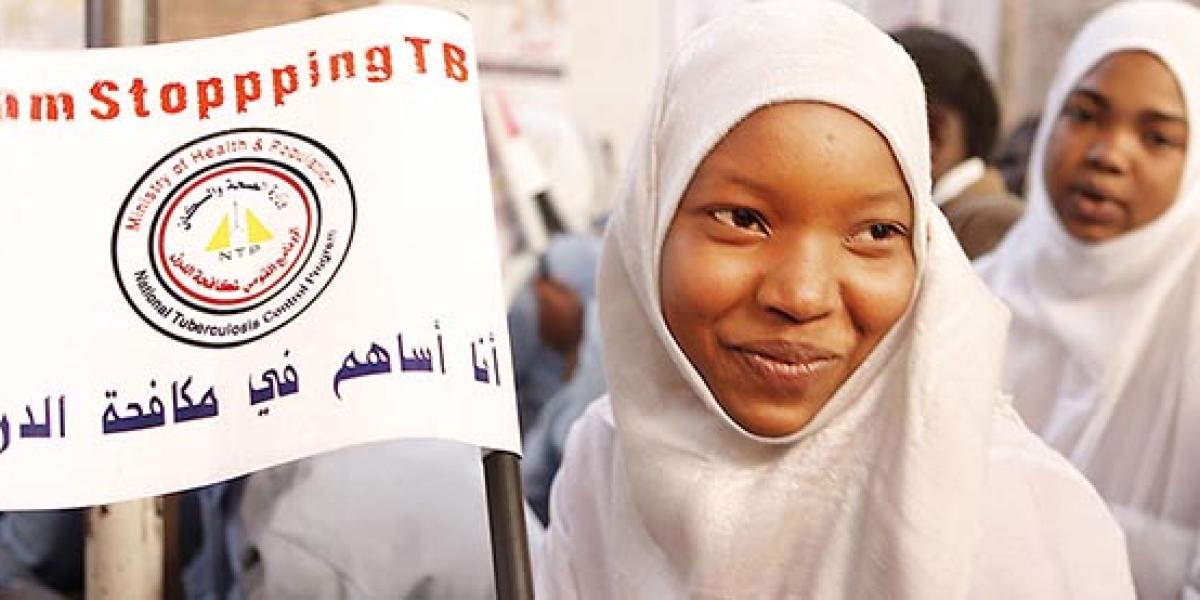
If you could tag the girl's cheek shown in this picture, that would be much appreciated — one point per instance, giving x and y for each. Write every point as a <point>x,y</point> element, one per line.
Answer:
<point>878,295</point>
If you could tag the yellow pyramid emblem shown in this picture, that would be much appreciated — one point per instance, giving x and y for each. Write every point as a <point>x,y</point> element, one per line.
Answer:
<point>220,238</point>
<point>258,233</point>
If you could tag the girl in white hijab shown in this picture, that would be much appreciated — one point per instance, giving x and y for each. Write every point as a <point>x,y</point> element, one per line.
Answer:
<point>803,369</point>
<point>1102,278</point>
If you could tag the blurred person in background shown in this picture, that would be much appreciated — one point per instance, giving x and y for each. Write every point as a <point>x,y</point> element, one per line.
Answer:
<point>546,440</point>
<point>400,519</point>
<point>1102,275</point>
<point>556,354</point>
<point>1012,158</point>
<point>964,119</point>
<point>42,551</point>
<point>546,321</point>
<point>41,554</point>
<point>552,319</point>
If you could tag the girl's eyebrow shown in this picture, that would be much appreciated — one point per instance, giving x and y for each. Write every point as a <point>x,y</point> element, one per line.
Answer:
<point>1092,95</point>
<point>889,195</point>
<point>1151,114</point>
<point>1158,115</point>
<point>899,193</point>
<point>739,179</point>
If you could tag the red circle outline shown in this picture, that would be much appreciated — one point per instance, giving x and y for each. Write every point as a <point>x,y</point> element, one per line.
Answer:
<point>162,234</point>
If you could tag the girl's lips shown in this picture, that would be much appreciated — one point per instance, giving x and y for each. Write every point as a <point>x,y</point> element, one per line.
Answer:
<point>1092,207</point>
<point>784,365</point>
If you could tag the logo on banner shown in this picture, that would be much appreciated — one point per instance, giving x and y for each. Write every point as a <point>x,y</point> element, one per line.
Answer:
<point>233,235</point>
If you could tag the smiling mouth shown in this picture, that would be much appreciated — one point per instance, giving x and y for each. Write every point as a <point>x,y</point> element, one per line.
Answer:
<point>1091,206</point>
<point>785,365</point>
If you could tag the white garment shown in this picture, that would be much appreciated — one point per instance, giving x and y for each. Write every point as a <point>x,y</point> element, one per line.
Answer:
<point>399,519</point>
<point>1104,352</point>
<point>960,177</point>
<point>882,494</point>
<point>1024,478</point>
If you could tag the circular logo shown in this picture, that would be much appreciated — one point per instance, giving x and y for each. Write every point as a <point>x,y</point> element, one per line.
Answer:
<point>232,235</point>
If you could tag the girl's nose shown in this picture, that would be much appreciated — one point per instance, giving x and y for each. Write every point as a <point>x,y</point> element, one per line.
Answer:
<point>1108,152</point>
<point>799,283</point>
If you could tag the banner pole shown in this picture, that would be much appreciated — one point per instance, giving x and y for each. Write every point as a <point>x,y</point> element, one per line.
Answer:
<point>101,21</point>
<point>123,559</point>
<point>506,517</point>
<point>123,555</point>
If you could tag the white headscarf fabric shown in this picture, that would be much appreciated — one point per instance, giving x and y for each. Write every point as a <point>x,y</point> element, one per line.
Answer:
<point>881,495</point>
<point>1104,352</point>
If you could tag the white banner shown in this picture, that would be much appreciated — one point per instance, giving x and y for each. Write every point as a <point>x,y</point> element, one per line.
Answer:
<point>225,254</point>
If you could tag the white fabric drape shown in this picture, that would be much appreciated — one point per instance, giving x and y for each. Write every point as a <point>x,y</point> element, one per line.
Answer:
<point>1104,352</point>
<point>960,177</point>
<point>915,481</point>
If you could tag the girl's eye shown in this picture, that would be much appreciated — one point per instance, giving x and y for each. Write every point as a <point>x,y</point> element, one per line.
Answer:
<point>742,218</point>
<point>878,233</point>
<point>1159,140</point>
<point>1078,114</point>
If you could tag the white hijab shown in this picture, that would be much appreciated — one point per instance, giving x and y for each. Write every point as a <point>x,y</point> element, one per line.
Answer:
<point>1104,353</point>
<point>880,495</point>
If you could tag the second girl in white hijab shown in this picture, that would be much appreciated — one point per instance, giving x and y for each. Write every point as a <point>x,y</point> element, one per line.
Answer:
<point>803,369</point>
<point>1103,277</point>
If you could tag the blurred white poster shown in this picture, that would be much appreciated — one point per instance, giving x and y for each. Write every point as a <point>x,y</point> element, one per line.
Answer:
<point>41,23</point>
<point>225,254</point>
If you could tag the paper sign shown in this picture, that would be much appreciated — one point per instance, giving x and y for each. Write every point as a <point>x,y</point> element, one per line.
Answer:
<point>225,254</point>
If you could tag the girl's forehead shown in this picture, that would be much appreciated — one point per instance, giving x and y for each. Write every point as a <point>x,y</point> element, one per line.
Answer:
<point>805,163</point>
<point>1129,68</point>
<point>835,132</point>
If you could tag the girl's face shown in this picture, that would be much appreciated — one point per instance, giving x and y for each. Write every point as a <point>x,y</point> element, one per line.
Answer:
<point>788,259</point>
<point>1116,153</point>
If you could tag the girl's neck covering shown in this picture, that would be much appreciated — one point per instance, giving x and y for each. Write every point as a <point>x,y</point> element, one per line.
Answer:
<point>1104,355</point>
<point>879,496</point>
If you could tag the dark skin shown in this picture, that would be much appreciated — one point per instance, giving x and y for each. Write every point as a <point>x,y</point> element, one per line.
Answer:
<point>788,260</point>
<point>947,139</point>
<point>1115,156</point>
<point>560,319</point>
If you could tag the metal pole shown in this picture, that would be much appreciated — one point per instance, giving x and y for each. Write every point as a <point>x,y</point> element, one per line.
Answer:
<point>102,19</point>
<point>506,515</point>
<point>111,23</point>
<point>150,22</point>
